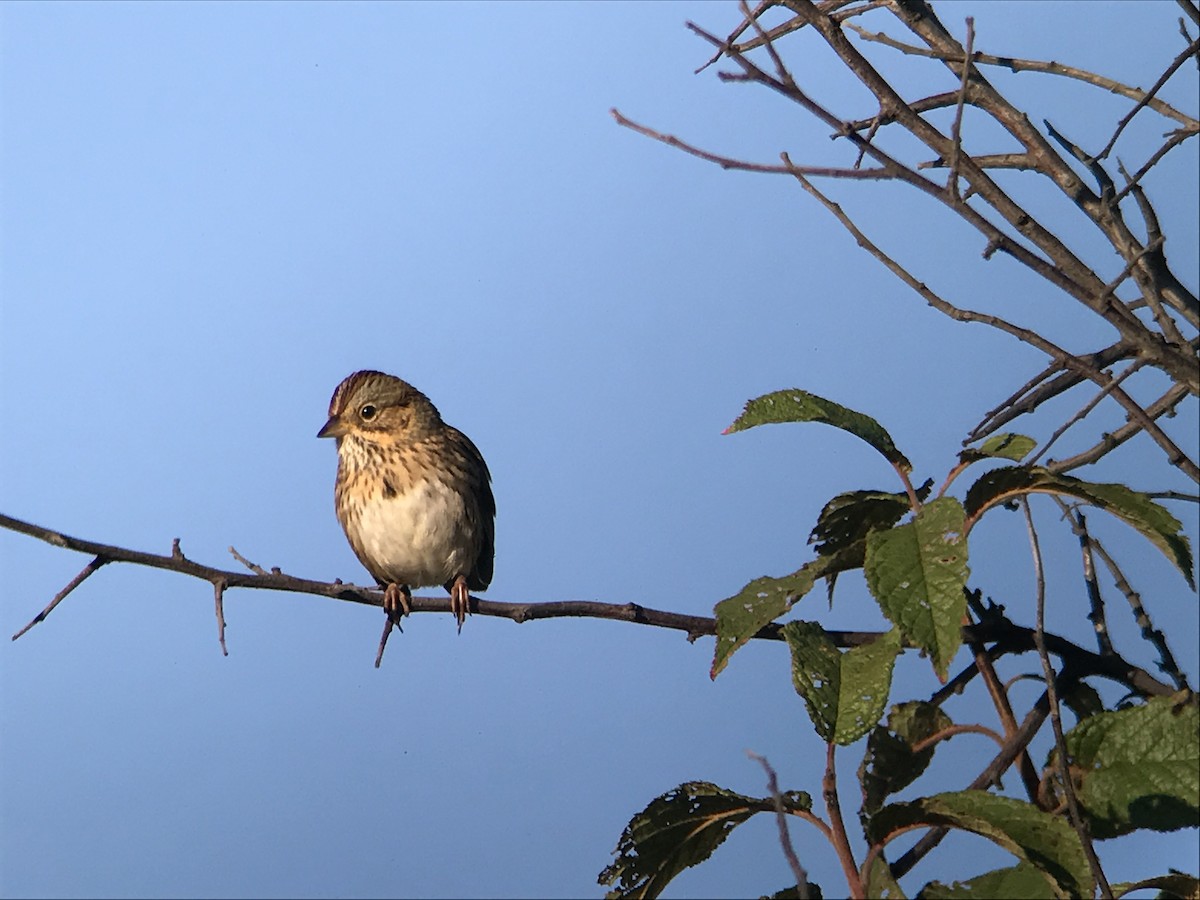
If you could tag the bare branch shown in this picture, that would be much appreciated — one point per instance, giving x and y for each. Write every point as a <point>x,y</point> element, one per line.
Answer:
<point>785,839</point>
<point>956,128</point>
<point>1014,64</point>
<point>1151,634</point>
<point>1149,95</point>
<point>1109,442</point>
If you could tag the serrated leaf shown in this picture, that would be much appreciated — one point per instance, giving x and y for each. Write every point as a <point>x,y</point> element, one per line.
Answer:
<point>917,573</point>
<point>1000,446</point>
<point>890,765</point>
<point>1021,880</point>
<point>801,406</point>
<point>880,883</point>
<point>765,599</point>
<point>845,690</point>
<point>1135,508</point>
<point>1176,884</point>
<point>1139,767</point>
<point>1045,841</point>
<point>850,517</point>
<point>678,830</point>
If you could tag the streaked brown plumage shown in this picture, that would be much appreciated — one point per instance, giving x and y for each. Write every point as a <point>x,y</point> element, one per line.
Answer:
<point>413,494</point>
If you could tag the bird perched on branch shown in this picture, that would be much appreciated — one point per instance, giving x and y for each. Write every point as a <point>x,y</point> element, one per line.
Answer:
<point>413,494</point>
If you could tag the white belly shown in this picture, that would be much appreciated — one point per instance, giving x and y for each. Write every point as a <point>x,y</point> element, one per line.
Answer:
<point>420,537</point>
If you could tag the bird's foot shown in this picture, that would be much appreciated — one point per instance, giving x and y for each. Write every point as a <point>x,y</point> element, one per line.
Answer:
<point>397,602</point>
<point>460,601</point>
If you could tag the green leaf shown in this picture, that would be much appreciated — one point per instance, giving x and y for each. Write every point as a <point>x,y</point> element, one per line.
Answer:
<point>848,518</point>
<point>880,882</point>
<point>801,406</point>
<point>793,893</point>
<point>890,765</point>
<point>1045,841</point>
<point>917,573</point>
<point>1139,767</point>
<point>1000,446</point>
<point>1021,880</point>
<point>678,830</point>
<point>845,690</point>
<point>1177,884</point>
<point>1135,508</point>
<point>765,599</point>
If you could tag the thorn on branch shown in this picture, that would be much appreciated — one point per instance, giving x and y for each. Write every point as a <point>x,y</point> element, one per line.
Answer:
<point>176,553</point>
<point>219,595</point>
<point>253,567</point>
<point>58,598</point>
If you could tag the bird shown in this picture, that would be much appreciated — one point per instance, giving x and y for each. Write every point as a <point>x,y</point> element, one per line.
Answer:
<point>413,494</point>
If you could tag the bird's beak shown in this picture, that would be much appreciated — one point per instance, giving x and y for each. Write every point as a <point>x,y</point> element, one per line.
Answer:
<point>334,428</point>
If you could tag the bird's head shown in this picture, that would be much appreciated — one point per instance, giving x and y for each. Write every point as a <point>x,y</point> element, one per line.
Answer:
<point>380,409</point>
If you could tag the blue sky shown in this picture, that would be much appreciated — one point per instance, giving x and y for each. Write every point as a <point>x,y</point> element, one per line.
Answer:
<point>212,213</point>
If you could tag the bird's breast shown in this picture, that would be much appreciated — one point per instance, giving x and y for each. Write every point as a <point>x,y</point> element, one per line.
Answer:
<point>419,536</point>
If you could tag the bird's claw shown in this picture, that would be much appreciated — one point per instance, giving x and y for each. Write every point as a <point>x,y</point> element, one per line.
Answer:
<point>460,601</point>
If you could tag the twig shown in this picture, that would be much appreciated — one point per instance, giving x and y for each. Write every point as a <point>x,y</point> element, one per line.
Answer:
<point>781,821</point>
<point>1164,404</point>
<point>1095,600</point>
<point>947,733</point>
<point>1149,95</point>
<point>219,594</point>
<point>383,639</point>
<point>726,162</point>
<point>1060,740</point>
<point>1153,635</point>
<point>253,567</point>
<point>995,689</point>
<point>1087,408</point>
<point>1174,139</point>
<point>1028,65</point>
<point>1038,390</point>
<point>840,842</point>
<point>956,129</point>
<point>1173,495</point>
<point>58,598</point>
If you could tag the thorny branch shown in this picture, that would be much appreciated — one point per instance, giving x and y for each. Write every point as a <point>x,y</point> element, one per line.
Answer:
<point>999,631</point>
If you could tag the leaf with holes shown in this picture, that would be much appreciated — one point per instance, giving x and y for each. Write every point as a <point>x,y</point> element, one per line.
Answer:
<point>917,573</point>
<point>765,599</point>
<point>678,830</point>
<point>845,690</point>
<point>848,518</point>
<point>890,765</point>
<point>1135,508</point>
<point>801,406</point>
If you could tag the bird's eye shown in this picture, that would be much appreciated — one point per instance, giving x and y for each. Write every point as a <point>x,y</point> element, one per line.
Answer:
<point>367,413</point>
